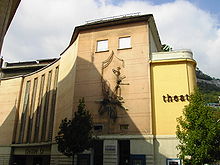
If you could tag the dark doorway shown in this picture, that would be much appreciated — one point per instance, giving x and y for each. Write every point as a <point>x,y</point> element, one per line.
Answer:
<point>83,159</point>
<point>124,152</point>
<point>98,152</point>
<point>19,160</point>
<point>38,161</point>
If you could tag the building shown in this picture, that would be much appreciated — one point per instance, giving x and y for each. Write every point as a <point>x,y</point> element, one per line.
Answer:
<point>117,60</point>
<point>7,11</point>
<point>22,68</point>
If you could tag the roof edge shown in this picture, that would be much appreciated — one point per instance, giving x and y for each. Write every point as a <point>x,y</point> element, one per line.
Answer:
<point>106,23</point>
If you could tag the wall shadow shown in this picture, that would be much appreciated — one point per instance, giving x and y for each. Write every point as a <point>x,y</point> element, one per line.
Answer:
<point>102,100</point>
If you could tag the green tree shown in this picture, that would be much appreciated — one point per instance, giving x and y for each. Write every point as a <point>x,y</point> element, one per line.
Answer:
<point>75,135</point>
<point>198,131</point>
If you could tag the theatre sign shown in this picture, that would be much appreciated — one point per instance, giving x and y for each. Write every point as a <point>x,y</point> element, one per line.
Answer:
<point>176,98</point>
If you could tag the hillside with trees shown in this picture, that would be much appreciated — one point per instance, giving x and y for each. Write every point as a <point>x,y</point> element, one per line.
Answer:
<point>209,86</point>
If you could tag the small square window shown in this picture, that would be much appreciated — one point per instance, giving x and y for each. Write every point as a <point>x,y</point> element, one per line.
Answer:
<point>123,126</point>
<point>98,127</point>
<point>124,42</point>
<point>102,45</point>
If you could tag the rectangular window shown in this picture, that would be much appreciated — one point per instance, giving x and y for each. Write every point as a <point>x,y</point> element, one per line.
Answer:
<point>30,123</point>
<point>124,127</point>
<point>46,107</point>
<point>25,111</point>
<point>38,111</point>
<point>124,42</point>
<point>173,162</point>
<point>54,92</point>
<point>102,45</point>
<point>98,127</point>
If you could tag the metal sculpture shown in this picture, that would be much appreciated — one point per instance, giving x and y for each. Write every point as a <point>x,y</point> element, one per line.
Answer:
<point>112,100</point>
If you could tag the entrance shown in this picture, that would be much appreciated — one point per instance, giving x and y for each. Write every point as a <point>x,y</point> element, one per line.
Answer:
<point>38,161</point>
<point>19,160</point>
<point>124,152</point>
<point>98,152</point>
<point>30,160</point>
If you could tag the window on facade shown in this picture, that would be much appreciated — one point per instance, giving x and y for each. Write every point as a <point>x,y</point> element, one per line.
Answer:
<point>102,45</point>
<point>123,126</point>
<point>24,114</point>
<point>124,42</point>
<point>98,127</point>
<point>173,162</point>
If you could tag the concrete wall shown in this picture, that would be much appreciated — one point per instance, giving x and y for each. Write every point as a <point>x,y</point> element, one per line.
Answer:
<point>9,101</point>
<point>36,106</point>
<point>66,86</point>
<point>165,148</point>
<point>143,147</point>
<point>134,65</point>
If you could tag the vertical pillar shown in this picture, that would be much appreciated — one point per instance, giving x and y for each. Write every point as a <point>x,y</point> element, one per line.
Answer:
<point>110,153</point>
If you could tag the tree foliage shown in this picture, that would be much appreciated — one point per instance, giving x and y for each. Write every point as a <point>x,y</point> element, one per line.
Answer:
<point>75,135</point>
<point>198,131</point>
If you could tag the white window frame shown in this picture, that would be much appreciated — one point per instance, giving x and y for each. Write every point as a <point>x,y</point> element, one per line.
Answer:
<point>102,45</point>
<point>174,160</point>
<point>124,42</point>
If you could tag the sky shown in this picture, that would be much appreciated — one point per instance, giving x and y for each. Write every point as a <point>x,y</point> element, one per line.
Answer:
<point>42,29</point>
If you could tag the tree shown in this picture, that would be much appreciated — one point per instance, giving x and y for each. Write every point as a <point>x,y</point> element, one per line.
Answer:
<point>75,135</point>
<point>198,131</point>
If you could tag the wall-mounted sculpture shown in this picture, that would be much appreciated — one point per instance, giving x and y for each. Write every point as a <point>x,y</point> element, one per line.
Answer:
<point>112,98</point>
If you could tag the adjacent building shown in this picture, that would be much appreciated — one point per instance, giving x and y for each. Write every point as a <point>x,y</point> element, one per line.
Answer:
<point>117,60</point>
<point>7,12</point>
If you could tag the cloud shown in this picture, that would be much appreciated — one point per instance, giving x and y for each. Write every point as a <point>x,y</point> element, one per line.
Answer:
<point>42,29</point>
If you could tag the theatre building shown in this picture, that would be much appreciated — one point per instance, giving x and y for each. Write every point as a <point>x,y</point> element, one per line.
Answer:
<point>133,89</point>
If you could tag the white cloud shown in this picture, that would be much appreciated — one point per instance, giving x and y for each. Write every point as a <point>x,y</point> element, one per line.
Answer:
<point>42,29</point>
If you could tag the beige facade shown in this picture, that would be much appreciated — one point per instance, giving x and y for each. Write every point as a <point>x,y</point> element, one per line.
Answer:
<point>116,60</point>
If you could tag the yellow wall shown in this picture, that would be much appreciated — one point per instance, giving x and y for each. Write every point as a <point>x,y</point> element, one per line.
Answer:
<point>172,77</point>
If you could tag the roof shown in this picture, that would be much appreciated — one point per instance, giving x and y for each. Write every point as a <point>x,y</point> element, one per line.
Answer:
<point>113,22</point>
<point>29,63</point>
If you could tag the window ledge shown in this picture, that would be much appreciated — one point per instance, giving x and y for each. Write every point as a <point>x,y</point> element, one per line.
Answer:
<point>102,51</point>
<point>124,48</point>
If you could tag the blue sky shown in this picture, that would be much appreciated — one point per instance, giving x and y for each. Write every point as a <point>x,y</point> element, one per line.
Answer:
<point>212,6</point>
<point>182,24</point>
